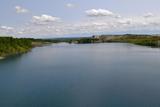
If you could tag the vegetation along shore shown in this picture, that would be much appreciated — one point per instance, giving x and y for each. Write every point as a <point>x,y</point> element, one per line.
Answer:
<point>12,46</point>
<point>144,40</point>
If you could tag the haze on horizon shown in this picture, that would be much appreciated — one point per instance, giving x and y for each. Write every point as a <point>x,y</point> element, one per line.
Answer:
<point>58,18</point>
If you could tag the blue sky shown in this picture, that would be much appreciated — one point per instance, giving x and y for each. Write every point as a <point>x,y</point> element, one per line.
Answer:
<point>55,18</point>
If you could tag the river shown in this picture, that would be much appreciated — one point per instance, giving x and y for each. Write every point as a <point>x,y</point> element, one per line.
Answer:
<point>82,75</point>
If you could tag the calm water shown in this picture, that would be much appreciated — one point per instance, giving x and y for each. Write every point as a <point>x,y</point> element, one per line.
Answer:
<point>88,75</point>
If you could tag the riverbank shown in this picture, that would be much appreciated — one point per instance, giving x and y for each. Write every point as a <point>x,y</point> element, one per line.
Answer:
<point>13,46</point>
<point>1,58</point>
<point>143,40</point>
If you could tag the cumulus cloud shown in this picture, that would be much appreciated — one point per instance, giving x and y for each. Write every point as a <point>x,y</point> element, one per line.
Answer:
<point>90,26</point>
<point>99,12</point>
<point>70,5</point>
<point>44,25</point>
<point>6,28</point>
<point>125,21</point>
<point>102,25</point>
<point>43,19</point>
<point>147,15</point>
<point>20,9</point>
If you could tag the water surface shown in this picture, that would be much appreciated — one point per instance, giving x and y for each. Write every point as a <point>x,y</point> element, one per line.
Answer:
<point>86,75</point>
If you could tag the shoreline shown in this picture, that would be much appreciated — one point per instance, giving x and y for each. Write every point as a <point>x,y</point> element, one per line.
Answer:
<point>142,40</point>
<point>34,45</point>
<point>23,45</point>
<point>2,57</point>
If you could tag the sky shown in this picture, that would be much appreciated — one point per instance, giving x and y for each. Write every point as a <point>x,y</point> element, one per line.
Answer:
<point>64,18</point>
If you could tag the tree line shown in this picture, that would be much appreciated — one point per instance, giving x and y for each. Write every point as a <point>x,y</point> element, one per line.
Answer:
<point>10,45</point>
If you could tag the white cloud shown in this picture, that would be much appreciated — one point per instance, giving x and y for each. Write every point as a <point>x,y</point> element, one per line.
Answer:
<point>70,5</point>
<point>44,19</point>
<point>99,12</point>
<point>91,26</point>
<point>20,9</point>
<point>125,21</point>
<point>147,15</point>
<point>45,25</point>
<point>6,28</point>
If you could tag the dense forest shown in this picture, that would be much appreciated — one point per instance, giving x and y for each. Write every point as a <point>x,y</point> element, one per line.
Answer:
<point>10,46</point>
